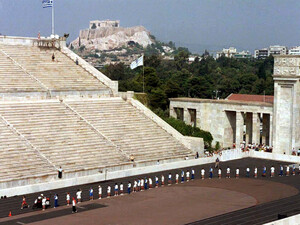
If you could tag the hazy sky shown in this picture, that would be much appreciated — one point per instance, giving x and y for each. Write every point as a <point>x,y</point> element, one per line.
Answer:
<point>198,24</point>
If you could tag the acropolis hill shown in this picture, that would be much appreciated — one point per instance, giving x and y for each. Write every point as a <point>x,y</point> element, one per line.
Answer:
<point>108,35</point>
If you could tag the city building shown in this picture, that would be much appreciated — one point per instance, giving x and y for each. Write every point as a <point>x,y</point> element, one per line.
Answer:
<point>271,50</point>
<point>227,52</point>
<point>277,50</point>
<point>233,53</point>
<point>242,55</point>
<point>294,50</point>
<point>261,53</point>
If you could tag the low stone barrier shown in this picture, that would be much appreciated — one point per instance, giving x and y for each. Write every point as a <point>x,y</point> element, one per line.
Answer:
<point>85,177</point>
<point>287,221</point>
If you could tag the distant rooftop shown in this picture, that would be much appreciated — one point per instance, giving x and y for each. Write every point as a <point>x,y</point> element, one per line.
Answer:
<point>251,98</point>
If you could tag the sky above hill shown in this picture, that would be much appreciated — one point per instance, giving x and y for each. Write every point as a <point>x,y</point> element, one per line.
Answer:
<point>197,24</point>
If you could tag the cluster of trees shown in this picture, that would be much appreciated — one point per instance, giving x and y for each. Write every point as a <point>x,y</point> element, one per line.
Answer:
<point>205,78</point>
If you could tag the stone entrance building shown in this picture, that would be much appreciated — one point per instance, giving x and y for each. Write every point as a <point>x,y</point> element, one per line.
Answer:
<point>229,121</point>
<point>251,118</point>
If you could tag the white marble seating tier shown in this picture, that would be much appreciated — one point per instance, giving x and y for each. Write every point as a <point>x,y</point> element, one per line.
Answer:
<point>17,160</point>
<point>13,78</point>
<point>61,136</point>
<point>130,129</point>
<point>61,75</point>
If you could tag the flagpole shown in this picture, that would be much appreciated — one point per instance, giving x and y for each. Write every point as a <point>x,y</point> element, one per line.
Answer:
<point>53,18</point>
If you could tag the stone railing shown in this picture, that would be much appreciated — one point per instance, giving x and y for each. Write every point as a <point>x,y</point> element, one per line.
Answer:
<point>57,42</point>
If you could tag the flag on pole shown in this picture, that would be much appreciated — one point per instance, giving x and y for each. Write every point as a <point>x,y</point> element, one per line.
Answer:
<point>47,3</point>
<point>136,63</point>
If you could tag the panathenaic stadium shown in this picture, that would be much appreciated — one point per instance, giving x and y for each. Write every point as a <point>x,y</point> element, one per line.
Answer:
<point>57,111</point>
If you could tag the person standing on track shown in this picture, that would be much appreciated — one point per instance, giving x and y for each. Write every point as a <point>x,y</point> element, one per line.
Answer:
<point>237,173</point>
<point>162,180</point>
<point>135,186</point>
<point>100,191</point>
<point>228,172</point>
<point>294,170</point>
<point>44,203</point>
<point>169,179</point>
<point>248,172</point>
<point>68,198</point>
<point>272,171</point>
<point>74,210</point>
<point>116,189</point>
<point>182,176</point>
<point>287,170</point>
<point>202,173</point>
<point>142,184</point>
<point>129,187</point>
<point>150,182</point>
<point>146,183</point>
<point>177,178</point>
<point>156,182</point>
<point>193,174</point>
<point>78,195</point>
<point>264,171</point>
<point>255,172</point>
<point>91,192</point>
<point>139,185</point>
<point>281,171</point>
<point>210,172</point>
<point>121,188</point>
<point>188,176</point>
<point>108,191</point>
<point>219,173</point>
<point>55,200</point>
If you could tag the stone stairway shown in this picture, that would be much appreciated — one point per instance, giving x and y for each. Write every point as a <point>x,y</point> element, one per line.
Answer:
<point>61,75</point>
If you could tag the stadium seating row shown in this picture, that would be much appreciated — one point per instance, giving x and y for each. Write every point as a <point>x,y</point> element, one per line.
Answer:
<point>68,141</point>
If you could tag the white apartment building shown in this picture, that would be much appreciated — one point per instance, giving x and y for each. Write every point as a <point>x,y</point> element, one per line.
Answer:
<point>294,50</point>
<point>227,52</point>
<point>271,50</point>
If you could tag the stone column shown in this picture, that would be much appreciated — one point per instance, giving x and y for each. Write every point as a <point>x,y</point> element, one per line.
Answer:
<point>239,128</point>
<point>248,122</point>
<point>266,129</point>
<point>186,116</point>
<point>172,112</point>
<point>256,128</point>
<point>271,131</point>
